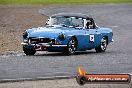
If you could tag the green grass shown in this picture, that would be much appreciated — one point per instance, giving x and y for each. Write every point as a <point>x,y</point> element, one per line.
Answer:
<point>62,1</point>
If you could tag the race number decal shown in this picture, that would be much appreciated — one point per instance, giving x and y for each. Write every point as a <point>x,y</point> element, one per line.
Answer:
<point>91,38</point>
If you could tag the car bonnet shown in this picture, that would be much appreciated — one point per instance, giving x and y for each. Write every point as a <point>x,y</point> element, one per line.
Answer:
<point>47,32</point>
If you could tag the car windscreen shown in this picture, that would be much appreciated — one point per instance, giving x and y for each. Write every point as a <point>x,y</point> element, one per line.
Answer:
<point>65,21</point>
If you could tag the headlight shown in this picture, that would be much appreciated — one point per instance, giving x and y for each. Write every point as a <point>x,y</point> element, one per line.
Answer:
<point>61,37</point>
<point>25,34</point>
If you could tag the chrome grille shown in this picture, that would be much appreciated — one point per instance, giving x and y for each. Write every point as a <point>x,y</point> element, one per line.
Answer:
<point>41,40</point>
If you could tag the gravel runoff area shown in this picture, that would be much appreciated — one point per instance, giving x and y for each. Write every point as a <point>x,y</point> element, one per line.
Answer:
<point>13,21</point>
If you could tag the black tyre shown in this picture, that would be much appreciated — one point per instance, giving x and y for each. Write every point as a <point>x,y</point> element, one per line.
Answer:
<point>29,51</point>
<point>103,45</point>
<point>71,46</point>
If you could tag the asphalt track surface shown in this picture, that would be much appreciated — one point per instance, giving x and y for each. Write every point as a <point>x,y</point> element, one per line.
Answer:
<point>63,83</point>
<point>117,58</point>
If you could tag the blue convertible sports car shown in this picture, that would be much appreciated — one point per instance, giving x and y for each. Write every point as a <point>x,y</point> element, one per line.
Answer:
<point>68,33</point>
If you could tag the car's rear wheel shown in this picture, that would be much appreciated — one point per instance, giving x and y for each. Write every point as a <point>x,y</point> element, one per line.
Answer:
<point>29,51</point>
<point>71,46</point>
<point>103,45</point>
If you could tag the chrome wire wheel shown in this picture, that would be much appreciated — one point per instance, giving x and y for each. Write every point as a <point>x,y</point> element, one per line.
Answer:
<point>103,43</point>
<point>71,46</point>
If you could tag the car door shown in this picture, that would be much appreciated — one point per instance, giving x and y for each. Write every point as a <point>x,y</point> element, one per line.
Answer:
<point>94,37</point>
<point>92,34</point>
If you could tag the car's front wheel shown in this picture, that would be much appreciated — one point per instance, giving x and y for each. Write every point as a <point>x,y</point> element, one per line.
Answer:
<point>71,46</point>
<point>103,45</point>
<point>29,51</point>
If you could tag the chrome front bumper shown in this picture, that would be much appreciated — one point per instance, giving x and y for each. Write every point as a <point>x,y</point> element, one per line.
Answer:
<point>112,40</point>
<point>44,44</point>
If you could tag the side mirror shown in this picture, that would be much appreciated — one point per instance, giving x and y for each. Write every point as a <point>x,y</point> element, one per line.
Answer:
<point>95,26</point>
